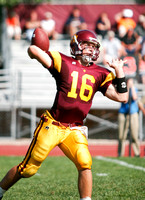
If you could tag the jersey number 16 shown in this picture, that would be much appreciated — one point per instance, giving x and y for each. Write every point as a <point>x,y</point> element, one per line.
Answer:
<point>84,86</point>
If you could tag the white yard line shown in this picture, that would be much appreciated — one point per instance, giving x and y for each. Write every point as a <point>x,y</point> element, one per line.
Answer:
<point>119,162</point>
<point>101,174</point>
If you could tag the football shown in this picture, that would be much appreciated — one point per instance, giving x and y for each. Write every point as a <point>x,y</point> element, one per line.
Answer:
<point>40,39</point>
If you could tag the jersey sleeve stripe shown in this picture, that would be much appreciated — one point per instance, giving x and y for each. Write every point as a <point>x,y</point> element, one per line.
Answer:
<point>57,60</point>
<point>109,77</point>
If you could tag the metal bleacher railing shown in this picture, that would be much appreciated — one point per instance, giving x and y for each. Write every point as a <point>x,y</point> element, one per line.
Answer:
<point>29,86</point>
<point>34,88</point>
<point>6,85</point>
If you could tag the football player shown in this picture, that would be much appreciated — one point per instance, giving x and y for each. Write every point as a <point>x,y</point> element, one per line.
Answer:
<point>77,79</point>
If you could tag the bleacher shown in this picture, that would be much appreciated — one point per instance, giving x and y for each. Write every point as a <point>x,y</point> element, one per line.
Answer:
<point>34,84</point>
<point>29,87</point>
<point>32,88</point>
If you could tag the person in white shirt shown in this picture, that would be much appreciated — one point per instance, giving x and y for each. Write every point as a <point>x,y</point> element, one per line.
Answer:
<point>112,47</point>
<point>48,25</point>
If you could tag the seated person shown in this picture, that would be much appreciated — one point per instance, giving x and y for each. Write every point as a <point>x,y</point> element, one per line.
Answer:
<point>103,25</point>
<point>130,42</point>
<point>48,25</point>
<point>74,23</point>
<point>13,26</point>
<point>124,22</point>
<point>112,47</point>
<point>31,24</point>
<point>140,27</point>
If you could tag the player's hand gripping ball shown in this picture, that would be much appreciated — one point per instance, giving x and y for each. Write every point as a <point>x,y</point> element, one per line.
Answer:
<point>40,39</point>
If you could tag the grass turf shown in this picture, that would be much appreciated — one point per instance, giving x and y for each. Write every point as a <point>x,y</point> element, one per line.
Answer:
<point>57,180</point>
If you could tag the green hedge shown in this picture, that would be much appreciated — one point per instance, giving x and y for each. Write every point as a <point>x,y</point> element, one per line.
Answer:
<point>15,2</point>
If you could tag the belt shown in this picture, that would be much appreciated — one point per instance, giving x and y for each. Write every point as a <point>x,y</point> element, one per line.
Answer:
<point>65,124</point>
<point>56,123</point>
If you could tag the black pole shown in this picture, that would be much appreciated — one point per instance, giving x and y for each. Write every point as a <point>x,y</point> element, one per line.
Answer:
<point>130,137</point>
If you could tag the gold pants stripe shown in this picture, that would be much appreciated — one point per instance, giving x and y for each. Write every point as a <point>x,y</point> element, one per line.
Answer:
<point>32,145</point>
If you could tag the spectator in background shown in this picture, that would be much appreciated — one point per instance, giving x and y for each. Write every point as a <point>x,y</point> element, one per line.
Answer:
<point>140,27</point>
<point>74,23</point>
<point>13,26</point>
<point>103,25</point>
<point>128,116</point>
<point>131,42</point>
<point>112,47</point>
<point>48,25</point>
<point>124,22</point>
<point>30,25</point>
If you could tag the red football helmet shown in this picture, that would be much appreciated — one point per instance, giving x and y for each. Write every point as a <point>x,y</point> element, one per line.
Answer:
<point>84,36</point>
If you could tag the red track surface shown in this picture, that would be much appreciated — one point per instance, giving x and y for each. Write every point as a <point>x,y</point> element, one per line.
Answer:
<point>106,149</point>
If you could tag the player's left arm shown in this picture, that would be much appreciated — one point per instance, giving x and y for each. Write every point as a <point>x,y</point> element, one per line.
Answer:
<point>121,94</point>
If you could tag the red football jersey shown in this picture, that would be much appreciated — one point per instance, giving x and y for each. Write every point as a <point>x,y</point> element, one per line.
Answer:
<point>76,86</point>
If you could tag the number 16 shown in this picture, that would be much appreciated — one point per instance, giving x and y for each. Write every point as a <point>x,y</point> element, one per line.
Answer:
<point>84,86</point>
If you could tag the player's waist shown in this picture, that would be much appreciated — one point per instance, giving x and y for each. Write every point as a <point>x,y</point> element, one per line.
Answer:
<point>65,124</point>
<point>57,123</point>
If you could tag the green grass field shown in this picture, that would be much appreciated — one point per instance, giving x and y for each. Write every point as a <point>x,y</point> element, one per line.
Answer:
<point>57,180</point>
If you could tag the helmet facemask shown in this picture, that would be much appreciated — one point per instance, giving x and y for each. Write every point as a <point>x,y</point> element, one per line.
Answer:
<point>94,51</point>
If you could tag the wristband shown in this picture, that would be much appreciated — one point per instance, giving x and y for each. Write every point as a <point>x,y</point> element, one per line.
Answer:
<point>121,85</point>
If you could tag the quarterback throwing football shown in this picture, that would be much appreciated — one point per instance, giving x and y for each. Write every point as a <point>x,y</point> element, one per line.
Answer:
<point>77,79</point>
